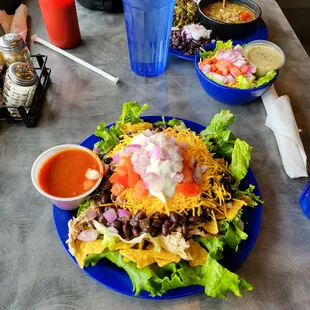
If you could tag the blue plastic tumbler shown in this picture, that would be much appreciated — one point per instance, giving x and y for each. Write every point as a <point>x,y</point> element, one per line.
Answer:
<point>148,26</point>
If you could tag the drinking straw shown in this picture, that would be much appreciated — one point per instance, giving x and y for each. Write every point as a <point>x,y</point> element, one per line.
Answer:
<point>113,79</point>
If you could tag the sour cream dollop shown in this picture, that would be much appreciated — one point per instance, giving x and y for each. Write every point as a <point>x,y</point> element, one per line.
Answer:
<point>196,32</point>
<point>158,161</point>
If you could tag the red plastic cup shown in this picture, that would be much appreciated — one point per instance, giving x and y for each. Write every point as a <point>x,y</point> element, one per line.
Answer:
<point>61,22</point>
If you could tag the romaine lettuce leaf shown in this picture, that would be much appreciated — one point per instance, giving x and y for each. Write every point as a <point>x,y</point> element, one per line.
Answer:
<point>244,83</point>
<point>130,113</point>
<point>248,196</point>
<point>83,206</point>
<point>171,123</point>
<point>232,232</point>
<point>217,137</point>
<point>214,246</point>
<point>220,45</point>
<point>216,279</point>
<point>240,160</point>
<point>266,78</point>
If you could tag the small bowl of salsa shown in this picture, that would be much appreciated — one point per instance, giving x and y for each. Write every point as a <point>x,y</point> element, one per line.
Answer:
<point>67,174</point>
<point>238,19</point>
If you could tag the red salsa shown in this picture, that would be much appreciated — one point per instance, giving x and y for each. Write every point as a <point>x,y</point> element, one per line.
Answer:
<point>64,174</point>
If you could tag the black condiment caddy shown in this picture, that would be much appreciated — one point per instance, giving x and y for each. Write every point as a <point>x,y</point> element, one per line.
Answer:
<point>29,115</point>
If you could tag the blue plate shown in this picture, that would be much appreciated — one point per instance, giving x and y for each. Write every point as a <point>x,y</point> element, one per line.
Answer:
<point>116,279</point>
<point>260,34</point>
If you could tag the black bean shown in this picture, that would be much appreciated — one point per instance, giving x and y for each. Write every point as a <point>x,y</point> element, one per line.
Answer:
<point>107,160</point>
<point>157,223</point>
<point>195,219</point>
<point>140,216</point>
<point>174,227</point>
<point>173,217</point>
<point>162,216</point>
<point>116,224</point>
<point>167,223</point>
<point>126,230</point>
<point>165,230</point>
<point>136,231</point>
<point>134,222</point>
<point>105,198</point>
<point>102,220</point>
<point>147,229</point>
<point>100,211</point>
<point>156,232</point>
<point>98,201</point>
<point>145,223</point>
<point>184,230</point>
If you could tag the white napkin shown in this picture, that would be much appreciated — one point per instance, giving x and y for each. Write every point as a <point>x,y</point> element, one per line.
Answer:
<point>281,120</point>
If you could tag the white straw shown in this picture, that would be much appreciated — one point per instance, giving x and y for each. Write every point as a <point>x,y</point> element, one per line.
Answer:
<point>76,59</point>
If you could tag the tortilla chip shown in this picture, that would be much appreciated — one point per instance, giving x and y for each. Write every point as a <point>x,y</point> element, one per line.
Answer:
<point>198,253</point>
<point>236,206</point>
<point>82,249</point>
<point>219,216</point>
<point>119,245</point>
<point>125,259</point>
<point>145,258</point>
<point>211,226</point>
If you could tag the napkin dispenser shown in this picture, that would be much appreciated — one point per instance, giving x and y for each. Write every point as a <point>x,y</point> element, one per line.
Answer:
<point>112,6</point>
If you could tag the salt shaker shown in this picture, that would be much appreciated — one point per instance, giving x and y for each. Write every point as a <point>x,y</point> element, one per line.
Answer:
<point>14,49</point>
<point>19,86</point>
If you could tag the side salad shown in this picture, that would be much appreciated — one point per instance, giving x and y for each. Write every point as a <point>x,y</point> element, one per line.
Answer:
<point>168,204</point>
<point>228,66</point>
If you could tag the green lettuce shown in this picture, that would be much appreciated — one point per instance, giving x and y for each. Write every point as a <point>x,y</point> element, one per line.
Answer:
<point>248,196</point>
<point>232,232</point>
<point>214,246</point>
<point>83,206</point>
<point>266,78</point>
<point>171,123</point>
<point>219,139</point>
<point>240,160</point>
<point>216,280</point>
<point>220,45</point>
<point>244,83</point>
<point>130,114</point>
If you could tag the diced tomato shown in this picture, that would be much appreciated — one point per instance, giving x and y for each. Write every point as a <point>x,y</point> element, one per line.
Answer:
<point>189,189</point>
<point>140,190</point>
<point>117,189</point>
<point>221,65</point>
<point>244,69</point>
<point>213,68</point>
<point>225,72</point>
<point>187,175</point>
<point>244,16</point>
<point>185,156</point>
<point>121,170</point>
<point>206,61</point>
<point>235,71</point>
<point>169,134</point>
<point>133,177</point>
<point>119,179</point>
<point>214,60</point>
<point>218,72</point>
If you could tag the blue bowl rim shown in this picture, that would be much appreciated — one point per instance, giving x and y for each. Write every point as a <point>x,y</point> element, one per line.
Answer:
<point>198,71</point>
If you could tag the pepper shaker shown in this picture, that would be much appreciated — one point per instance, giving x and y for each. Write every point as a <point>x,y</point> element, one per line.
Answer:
<point>19,86</point>
<point>14,49</point>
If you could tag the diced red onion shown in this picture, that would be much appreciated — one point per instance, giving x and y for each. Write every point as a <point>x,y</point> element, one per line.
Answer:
<point>148,133</point>
<point>122,212</point>
<point>184,145</point>
<point>155,152</point>
<point>203,168</point>
<point>110,215</point>
<point>116,158</point>
<point>230,78</point>
<point>143,161</point>
<point>96,150</point>
<point>197,174</point>
<point>119,201</point>
<point>177,177</point>
<point>138,169</point>
<point>88,235</point>
<point>92,174</point>
<point>133,148</point>
<point>91,213</point>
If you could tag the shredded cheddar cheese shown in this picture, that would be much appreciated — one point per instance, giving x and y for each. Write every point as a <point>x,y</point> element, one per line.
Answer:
<point>212,194</point>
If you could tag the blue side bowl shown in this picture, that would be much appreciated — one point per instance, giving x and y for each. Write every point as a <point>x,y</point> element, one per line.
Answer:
<point>228,95</point>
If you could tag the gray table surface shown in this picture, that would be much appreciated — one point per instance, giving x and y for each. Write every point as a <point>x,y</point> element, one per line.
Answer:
<point>36,272</point>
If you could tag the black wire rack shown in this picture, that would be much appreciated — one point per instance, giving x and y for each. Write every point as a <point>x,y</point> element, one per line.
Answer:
<point>29,115</point>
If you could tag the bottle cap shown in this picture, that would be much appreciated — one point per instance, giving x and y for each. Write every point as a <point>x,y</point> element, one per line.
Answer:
<point>22,74</point>
<point>11,42</point>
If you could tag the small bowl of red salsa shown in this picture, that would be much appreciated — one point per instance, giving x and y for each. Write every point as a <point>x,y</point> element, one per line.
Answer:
<point>67,174</point>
